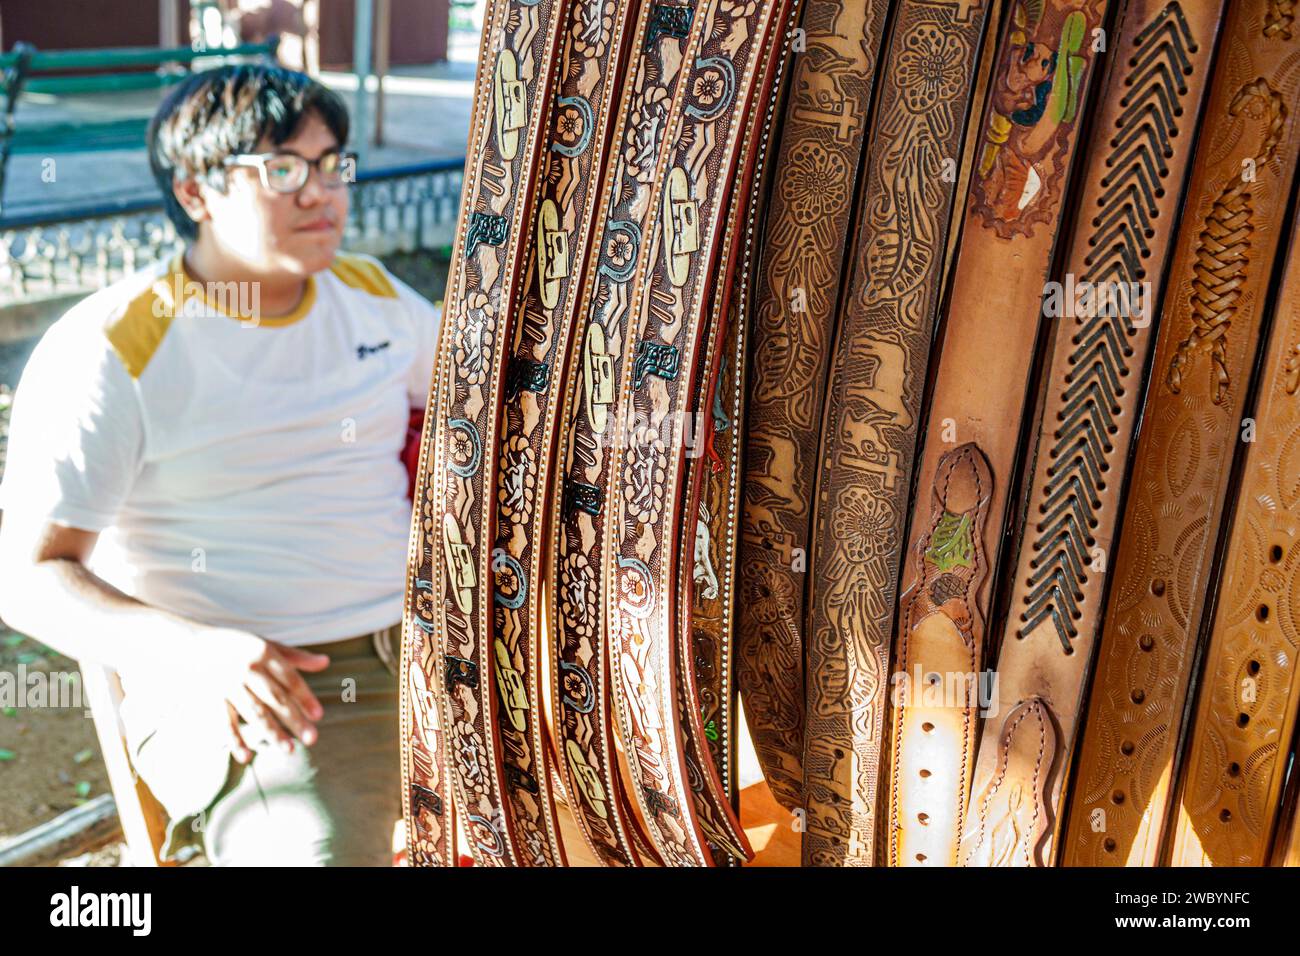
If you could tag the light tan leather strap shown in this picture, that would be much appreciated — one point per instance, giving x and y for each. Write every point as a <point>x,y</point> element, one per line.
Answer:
<point>1191,424</point>
<point>877,373</point>
<point>1246,712</point>
<point>1027,144</point>
<point>823,131</point>
<point>1100,313</point>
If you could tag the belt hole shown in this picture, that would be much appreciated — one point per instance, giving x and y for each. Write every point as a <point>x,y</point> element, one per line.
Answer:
<point>1275,554</point>
<point>1234,769</point>
<point>1261,613</point>
<point>1157,587</point>
<point>1225,815</point>
<point>1243,720</point>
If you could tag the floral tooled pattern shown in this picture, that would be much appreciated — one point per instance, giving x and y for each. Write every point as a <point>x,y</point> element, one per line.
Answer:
<point>570,126</point>
<point>649,117</point>
<point>474,339</point>
<point>575,597</point>
<point>645,474</point>
<point>864,524</point>
<point>518,480</point>
<point>591,29</point>
<point>708,87</point>
<point>931,67</point>
<point>815,183</point>
<point>619,250</point>
<point>769,596</point>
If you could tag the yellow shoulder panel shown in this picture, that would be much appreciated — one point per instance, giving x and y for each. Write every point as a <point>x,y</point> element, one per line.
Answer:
<point>365,274</point>
<point>137,332</point>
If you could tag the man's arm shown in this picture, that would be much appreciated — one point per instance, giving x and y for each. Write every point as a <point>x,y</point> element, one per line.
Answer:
<point>50,595</point>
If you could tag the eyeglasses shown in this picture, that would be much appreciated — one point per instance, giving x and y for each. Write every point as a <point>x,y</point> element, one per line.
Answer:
<point>288,172</point>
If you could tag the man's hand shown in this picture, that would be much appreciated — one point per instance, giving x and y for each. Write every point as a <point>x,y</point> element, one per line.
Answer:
<point>259,683</point>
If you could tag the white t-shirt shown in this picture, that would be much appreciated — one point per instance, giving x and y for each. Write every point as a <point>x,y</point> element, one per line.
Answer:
<point>242,475</point>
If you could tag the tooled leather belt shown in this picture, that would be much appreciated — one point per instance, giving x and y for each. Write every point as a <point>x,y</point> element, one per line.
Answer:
<point>1100,329</point>
<point>1028,142</point>
<point>823,130</point>
<point>706,687</point>
<point>662,234</point>
<point>1246,714</point>
<point>444,640</point>
<point>1205,349</point>
<point>667,38</point>
<point>659,364</point>
<point>877,373</point>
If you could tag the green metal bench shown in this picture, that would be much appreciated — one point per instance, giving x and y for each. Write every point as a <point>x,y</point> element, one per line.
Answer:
<point>26,70</point>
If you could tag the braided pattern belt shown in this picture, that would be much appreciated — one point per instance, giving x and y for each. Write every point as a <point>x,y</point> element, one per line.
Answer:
<point>1100,341</point>
<point>1246,715</point>
<point>1204,351</point>
<point>823,131</point>
<point>876,373</point>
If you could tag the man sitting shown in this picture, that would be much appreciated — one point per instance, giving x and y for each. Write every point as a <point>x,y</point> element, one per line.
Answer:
<point>204,488</point>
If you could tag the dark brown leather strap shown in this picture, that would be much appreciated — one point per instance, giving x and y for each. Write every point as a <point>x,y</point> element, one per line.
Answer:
<point>822,135</point>
<point>1191,423</point>
<point>706,680</point>
<point>877,372</point>
<point>668,37</point>
<point>504,151</point>
<point>660,363</point>
<point>1100,316</point>
<point>1246,713</point>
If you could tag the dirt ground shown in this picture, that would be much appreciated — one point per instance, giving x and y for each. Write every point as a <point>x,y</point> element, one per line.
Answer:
<point>49,756</point>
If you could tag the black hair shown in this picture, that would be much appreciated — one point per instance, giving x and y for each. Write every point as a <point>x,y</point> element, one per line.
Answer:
<point>219,113</point>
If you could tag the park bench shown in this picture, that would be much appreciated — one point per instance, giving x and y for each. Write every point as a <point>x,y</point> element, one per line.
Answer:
<point>63,73</point>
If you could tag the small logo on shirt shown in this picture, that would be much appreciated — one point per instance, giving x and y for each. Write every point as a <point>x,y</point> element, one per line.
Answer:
<point>364,350</point>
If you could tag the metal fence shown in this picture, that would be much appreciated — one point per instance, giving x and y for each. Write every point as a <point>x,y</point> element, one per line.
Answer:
<point>76,251</point>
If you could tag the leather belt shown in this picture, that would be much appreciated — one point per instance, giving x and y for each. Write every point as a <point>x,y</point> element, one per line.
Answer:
<point>804,240</point>
<point>1246,715</point>
<point>1191,423</point>
<point>428,807</point>
<point>1100,335</point>
<point>667,41</point>
<point>538,327</point>
<point>660,363</point>
<point>877,373</point>
<point>712,482</point>
<point>1027,145</point>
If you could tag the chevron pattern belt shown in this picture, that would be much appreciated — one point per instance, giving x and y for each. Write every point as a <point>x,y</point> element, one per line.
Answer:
<point>1027,143</point>
<point>1246,714</point>
<point>1205,349</point>
<point>877,372</point>
<point>823,132</point>
<point>1100,333</point>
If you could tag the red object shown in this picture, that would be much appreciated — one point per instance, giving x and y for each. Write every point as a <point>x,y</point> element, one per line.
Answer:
<point>411,450</point>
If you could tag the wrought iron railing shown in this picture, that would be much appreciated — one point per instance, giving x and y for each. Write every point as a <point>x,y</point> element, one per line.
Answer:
<point>397,209</point>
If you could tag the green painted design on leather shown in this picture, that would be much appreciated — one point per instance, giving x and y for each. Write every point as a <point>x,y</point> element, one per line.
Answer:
<point>952,544</point>
<point>1069,68</point>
